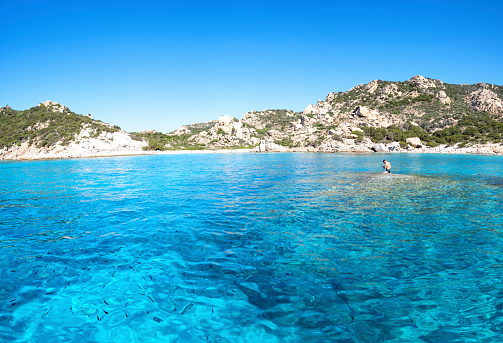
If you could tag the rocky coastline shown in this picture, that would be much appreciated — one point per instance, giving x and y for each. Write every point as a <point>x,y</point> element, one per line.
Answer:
<point>369,147</point>
<point>24,153</point>
<point>419,115</point>
<point>106,144</point>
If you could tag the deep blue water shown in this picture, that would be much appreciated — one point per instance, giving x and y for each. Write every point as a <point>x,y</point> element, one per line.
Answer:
<point>252,248</point>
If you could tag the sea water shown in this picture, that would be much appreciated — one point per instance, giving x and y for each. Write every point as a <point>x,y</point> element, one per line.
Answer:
<point>252,248</point>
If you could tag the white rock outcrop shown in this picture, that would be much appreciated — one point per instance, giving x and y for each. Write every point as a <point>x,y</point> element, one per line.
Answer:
<point>366,113</point>
<point>321,107</point>
<point>422,82</point>
<point>371,86</point>
<point>225,120</point>
<point>388,92</point>
<point>443,98</point>
<point>266,145</point>
<point>414,141</point>
<point>380,147</point>
<point>106,144</point>
<point>485,100</point>
<point>53,106</point>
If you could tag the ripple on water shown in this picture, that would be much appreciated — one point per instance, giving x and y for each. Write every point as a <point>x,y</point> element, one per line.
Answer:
<point>245,248</point>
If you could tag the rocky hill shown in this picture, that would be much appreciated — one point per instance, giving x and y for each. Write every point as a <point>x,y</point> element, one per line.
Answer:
<point>381,115</point>
<point>51,130</point>
<point>419,113</point>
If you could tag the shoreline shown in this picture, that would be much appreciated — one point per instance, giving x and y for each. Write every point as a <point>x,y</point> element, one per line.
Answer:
<point>126,154</point>
<point>453,151</point>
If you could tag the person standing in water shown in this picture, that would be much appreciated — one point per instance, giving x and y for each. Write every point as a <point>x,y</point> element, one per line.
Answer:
<point>387,167</point>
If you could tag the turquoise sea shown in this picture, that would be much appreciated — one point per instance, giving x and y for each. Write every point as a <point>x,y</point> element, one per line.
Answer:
<point>299,247</point>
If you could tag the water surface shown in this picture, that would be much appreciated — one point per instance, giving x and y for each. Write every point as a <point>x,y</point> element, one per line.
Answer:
<point>252,248</point>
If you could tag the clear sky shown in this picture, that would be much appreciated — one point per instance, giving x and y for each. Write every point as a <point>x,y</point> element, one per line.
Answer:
<point>160,64</point>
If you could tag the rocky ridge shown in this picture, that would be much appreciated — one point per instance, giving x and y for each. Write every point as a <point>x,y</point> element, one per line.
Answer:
<point>348,121</point>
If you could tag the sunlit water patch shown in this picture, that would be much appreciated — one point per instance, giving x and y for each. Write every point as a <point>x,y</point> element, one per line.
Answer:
<point>252,248</point>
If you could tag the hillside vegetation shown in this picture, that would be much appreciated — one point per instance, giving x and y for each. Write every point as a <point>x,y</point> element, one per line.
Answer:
<point>443,113</point>
<point>46,125</point>
<point>378,112</point>
<point>425,111</point>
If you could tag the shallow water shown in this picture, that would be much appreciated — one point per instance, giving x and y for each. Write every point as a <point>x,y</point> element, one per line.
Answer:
<point>252,248</point>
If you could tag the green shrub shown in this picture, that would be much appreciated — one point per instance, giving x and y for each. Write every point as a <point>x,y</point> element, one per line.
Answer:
<point>262,131</point>
<point>357,133</point>
<point>284,142</point>
<point>42,126</point>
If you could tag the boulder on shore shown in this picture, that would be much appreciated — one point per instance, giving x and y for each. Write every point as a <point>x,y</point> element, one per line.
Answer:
<point>414,141</point>
<point>266,145</point>
<point>380,147</point>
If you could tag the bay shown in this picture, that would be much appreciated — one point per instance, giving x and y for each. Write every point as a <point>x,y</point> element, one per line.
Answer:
<point>290,247</point>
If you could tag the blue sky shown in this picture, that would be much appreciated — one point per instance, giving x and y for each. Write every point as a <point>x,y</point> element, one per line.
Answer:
<point>160,64</point>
